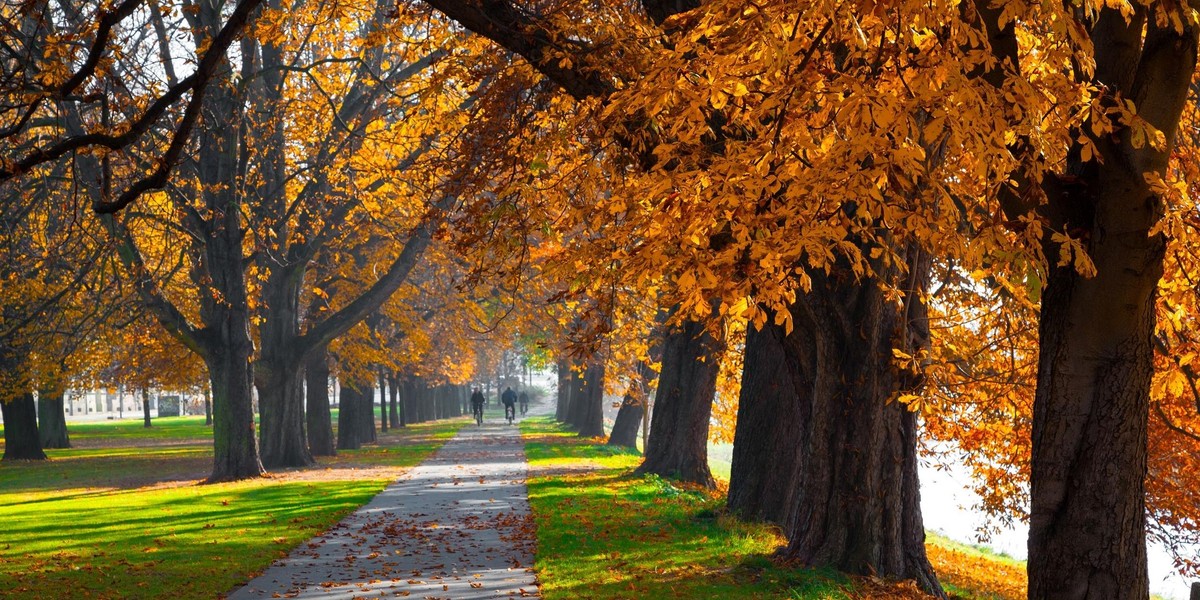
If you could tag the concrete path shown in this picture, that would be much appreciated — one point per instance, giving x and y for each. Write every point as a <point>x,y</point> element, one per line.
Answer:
<point>456,527</point>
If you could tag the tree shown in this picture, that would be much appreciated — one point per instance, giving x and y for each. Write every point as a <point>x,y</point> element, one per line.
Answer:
<point>1097,318</point>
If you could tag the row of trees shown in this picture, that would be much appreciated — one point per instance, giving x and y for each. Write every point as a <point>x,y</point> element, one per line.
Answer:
<point>864,186</point>
<point>970,220</point>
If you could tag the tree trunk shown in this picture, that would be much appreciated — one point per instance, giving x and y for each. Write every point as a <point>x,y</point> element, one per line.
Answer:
<point>356,417</point>
<point>633,406</point>
<point>282,432</point>
<point>146,408</point>
<point>1087,525</point>
<point>383,416</point>
<point>235,447</point>
<point>678,443</point>
<point>277,372</point>
<point>394,415</point>
<point>592,421</point>
<point>409,401</point>
<point>21,439</point>
<point>52,420</point>
<point>766,456</point>
<point>317,413</point>
<point>577,406</point>
<point>629,419</point>
<point>428,402</point>
<point>857,506</point>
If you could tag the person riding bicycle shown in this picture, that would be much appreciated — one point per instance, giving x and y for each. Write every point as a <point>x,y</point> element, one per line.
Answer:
<point>509,398</point>
<point>523,400</point>
<point>477,401</point>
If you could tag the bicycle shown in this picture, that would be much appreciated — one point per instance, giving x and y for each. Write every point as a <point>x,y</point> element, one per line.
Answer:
<point>478,412</point>
<point>510,413</point>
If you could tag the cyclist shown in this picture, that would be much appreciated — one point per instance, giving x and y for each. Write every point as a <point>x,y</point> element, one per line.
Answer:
<point>477,401</point>
<point>523,400</point>
<point>509,398</point>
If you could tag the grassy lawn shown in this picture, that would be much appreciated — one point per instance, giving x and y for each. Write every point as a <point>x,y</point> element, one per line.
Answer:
<point>604,533</point>
<point>128,518</point>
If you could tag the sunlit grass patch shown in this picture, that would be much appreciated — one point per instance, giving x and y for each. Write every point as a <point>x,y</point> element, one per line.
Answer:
<point>604,533</point>
<point>184,542</point>
<point>133,521</point>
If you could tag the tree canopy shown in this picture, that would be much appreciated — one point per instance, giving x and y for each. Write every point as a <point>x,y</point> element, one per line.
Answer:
<point>960,229</point>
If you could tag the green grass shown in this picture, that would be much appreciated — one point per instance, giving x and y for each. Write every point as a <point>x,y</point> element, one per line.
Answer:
<point>131,521</point>
<point>604,533</point>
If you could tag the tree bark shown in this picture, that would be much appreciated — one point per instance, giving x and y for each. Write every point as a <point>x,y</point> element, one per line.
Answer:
<point>282,430</point>
<point>21,439</point>
<point>576,397</point>
<point>394,414</point>
<point>857,505</point>
<point>767,459</point>
<point>1088,463</point>
<point>591,422</point>
<point>356,416</point>
<point>409,401</point>
<point>629,419</point>
<point>146,408</point>
<point>52,420</point>
<point>633,405</point>
<point>678,442</point>
<point>235,447</point>
<point>317,414</point>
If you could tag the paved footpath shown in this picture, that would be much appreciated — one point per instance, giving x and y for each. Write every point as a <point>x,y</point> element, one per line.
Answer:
<point>455,527</point>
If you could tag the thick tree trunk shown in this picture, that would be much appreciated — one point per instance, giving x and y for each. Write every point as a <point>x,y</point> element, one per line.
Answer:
<point>282,432</point>
<point>235,447</point>
<point>1087,526</point>
<point>317,414</point>
<point>1087,484</point>
<point>592,420</point>
<point>678,443</point>
<point>356,417</point>
<point>146,408</point>
<point>394,415</point>
<point>766,456</point>
<point>21,440</point>
<point>278,372</point>
<point>857,506</point>
<point>52,420</point>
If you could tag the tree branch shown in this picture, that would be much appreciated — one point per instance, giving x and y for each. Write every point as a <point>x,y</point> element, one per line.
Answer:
<point>341,321</point>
